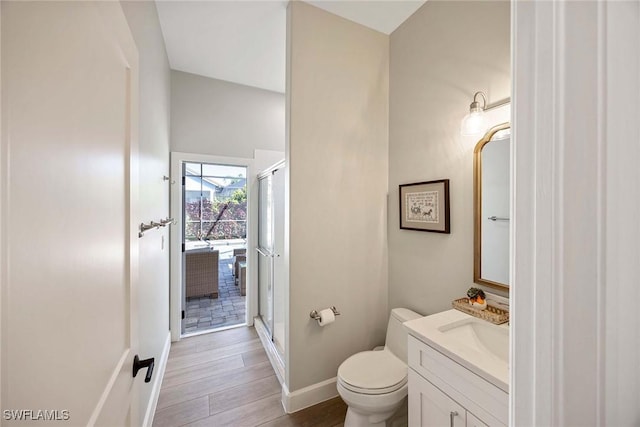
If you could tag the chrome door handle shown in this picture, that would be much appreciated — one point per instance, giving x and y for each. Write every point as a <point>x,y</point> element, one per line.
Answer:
<point>261,252</point>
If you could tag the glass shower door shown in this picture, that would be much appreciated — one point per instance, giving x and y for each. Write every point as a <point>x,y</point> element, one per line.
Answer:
<point>265,251</point>
<point>271,271</point>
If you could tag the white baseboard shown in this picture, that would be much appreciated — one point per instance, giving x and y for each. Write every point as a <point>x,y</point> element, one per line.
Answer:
<point>157,383</point>
<point>308,396</point>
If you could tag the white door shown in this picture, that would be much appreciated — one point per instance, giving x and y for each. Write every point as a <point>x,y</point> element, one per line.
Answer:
<point>69,191</point>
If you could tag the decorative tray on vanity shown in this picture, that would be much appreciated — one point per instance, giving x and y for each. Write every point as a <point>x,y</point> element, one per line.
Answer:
<point>491,314</point>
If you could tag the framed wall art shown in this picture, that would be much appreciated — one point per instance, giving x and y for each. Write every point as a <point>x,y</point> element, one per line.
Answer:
<point>424,206</point>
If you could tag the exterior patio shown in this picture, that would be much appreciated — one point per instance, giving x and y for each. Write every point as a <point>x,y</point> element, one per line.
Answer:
<point>205,313</point>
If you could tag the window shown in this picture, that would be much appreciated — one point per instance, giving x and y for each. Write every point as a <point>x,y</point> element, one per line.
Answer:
<point>215,202</point>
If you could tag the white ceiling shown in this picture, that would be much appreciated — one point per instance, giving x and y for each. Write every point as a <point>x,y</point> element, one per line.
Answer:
<point>381,15</point>
<point>243,41</point>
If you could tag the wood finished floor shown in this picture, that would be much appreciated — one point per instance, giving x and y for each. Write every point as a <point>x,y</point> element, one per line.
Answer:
<point>225,379</point>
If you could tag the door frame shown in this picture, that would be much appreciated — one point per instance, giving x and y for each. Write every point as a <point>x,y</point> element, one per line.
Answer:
<point>175,286</point>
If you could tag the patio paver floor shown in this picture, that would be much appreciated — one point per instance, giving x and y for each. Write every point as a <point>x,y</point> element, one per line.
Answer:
<point>204,313</point>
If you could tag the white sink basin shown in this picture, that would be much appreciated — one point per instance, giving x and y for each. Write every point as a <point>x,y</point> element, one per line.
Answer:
<point>478,345</point>
<point>481,336</point>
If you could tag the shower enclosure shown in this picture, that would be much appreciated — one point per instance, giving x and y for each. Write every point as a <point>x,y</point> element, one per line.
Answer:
<point>270,250</point>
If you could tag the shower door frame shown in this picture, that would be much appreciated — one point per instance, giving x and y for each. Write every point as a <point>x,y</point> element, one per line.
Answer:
<point>265,177</point>
<point>271,254</point>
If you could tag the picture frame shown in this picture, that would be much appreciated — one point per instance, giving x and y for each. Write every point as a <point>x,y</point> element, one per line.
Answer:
<point>424,206</point>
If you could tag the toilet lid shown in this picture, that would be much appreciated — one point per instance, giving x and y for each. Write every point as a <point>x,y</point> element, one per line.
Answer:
<point>373,372</point>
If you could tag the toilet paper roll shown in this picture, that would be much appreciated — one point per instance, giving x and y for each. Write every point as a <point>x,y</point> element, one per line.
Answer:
<point>326,317</point>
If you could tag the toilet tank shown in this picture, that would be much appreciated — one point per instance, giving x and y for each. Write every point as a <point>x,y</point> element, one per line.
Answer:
<point>397,336</point>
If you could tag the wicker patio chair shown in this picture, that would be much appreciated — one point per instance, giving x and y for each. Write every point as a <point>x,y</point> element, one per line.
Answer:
<point>201,273</point>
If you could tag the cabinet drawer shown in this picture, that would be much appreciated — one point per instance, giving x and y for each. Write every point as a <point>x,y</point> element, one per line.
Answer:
<point>477,395</point>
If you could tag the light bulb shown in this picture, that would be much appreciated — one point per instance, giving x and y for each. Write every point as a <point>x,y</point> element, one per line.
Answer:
<point>474,123</point>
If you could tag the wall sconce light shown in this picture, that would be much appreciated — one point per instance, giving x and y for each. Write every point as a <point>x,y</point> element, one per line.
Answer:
<point>475,123</point>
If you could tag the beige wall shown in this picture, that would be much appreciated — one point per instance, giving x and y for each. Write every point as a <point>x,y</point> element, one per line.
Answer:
<point>154,81</point>
<point>337,156</point>
<point>438,58</point>
<point>210,116</point>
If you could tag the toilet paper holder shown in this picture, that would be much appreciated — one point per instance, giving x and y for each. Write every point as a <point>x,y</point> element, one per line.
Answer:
<point>316,316</point>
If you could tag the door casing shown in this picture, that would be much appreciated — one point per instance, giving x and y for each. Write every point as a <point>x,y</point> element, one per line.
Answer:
<point>176,270</point>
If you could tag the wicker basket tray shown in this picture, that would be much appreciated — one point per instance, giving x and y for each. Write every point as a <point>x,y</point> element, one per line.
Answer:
<point>491,314</point>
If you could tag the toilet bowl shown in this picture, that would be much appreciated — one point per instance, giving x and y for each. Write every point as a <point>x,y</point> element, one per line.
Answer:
<point>373,384</point>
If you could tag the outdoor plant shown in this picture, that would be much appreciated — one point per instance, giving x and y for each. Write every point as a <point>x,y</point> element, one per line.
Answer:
<point>220,219</point>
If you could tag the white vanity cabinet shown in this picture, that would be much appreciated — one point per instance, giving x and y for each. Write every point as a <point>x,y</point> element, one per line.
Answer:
<point>443,392</point>
<point>428,406</point>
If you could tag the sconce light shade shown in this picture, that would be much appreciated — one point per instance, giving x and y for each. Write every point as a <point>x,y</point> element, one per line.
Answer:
<point>474,123</point>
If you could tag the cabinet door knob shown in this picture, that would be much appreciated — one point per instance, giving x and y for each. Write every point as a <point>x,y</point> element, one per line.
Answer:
<point>452,414</point>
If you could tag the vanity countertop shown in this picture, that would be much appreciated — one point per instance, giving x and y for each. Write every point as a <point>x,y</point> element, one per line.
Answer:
<point>479,346</point>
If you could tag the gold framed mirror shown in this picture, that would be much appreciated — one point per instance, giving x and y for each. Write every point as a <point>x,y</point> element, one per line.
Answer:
<point>491,202</point>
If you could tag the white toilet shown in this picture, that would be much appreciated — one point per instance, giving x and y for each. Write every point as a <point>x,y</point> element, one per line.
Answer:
<point>374,383</point>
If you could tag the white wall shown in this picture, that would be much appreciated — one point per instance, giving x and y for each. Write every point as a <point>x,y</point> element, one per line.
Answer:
<point>574,333</point>
<point>219,118</point>
<point>439,57</point>
<point>337,185</point>
<point>154,81</point>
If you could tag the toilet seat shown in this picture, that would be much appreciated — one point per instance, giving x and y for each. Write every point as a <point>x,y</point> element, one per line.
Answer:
<point>373,372</point>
